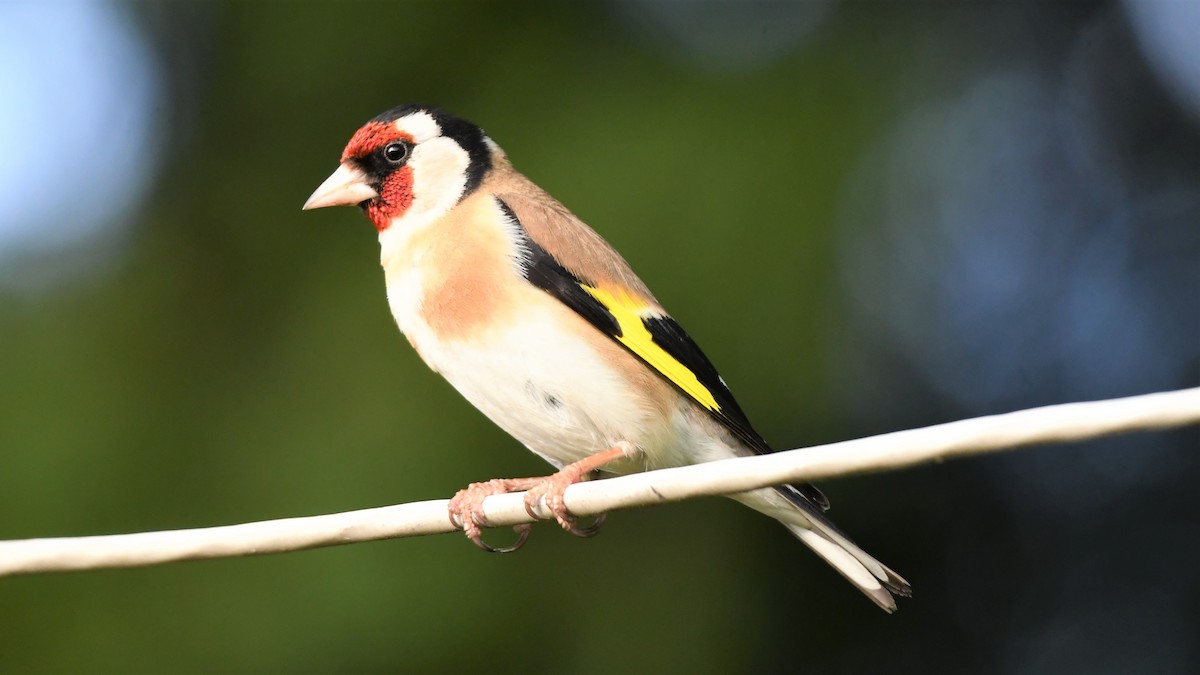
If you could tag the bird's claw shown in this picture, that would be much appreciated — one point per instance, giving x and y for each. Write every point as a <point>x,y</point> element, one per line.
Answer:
<point>590,530</point>
<point>522,531</point>
<point>552,489</point>
<point>466,508</point>
<point>466,511</point>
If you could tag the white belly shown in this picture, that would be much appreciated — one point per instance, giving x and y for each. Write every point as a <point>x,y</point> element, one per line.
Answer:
<point>543,386</point>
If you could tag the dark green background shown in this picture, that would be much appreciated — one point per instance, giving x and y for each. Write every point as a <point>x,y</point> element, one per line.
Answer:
<point>239,363</point>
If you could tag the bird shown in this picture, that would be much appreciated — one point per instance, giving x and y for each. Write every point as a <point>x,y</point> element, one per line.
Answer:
<point>543,326</point>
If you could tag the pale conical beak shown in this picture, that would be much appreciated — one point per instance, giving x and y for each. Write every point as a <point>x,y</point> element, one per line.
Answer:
<point>348,185</point>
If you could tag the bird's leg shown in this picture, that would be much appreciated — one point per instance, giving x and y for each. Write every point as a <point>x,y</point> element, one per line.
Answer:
<point>466,510</point>
<point>466,507</point>
<point>552,487</point>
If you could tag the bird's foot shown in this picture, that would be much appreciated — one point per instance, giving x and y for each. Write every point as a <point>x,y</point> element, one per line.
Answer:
<point>466,510</point>
<point>552,488</point>
<point>466,507</point>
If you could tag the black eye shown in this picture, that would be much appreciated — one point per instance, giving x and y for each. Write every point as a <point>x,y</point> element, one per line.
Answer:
<point>395,152</point>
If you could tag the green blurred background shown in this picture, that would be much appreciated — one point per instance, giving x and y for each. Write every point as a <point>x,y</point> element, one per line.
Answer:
<point>873,216</point>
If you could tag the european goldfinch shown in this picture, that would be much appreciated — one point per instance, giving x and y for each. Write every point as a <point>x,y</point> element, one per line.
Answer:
<point>542,325</point>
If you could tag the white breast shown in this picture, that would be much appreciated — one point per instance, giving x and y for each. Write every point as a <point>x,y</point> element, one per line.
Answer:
<point>542,386</point>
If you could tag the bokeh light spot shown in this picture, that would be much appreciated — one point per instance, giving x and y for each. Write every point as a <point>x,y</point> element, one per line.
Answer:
<point>77,133</point>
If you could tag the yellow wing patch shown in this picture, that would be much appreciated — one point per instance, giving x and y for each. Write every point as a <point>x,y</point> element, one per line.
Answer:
<point>634,335</point>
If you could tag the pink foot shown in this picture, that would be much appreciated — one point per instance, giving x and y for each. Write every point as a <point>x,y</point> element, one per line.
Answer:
<point>466,507</point>
<point>552,488</point>
<point>466,510</point>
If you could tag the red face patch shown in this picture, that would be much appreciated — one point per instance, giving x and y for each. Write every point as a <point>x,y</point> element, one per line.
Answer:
<point>395,196</point>
<point>371,137</point>
<point>396,192</point>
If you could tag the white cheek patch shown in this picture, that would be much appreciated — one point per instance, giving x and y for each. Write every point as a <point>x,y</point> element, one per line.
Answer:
<point>420,125</point>
<point>439,169</point>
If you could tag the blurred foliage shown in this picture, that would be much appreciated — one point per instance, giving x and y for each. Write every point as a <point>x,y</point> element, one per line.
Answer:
<point>238,362</point>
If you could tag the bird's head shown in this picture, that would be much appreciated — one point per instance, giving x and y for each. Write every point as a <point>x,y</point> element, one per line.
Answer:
<point>409,164</point>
